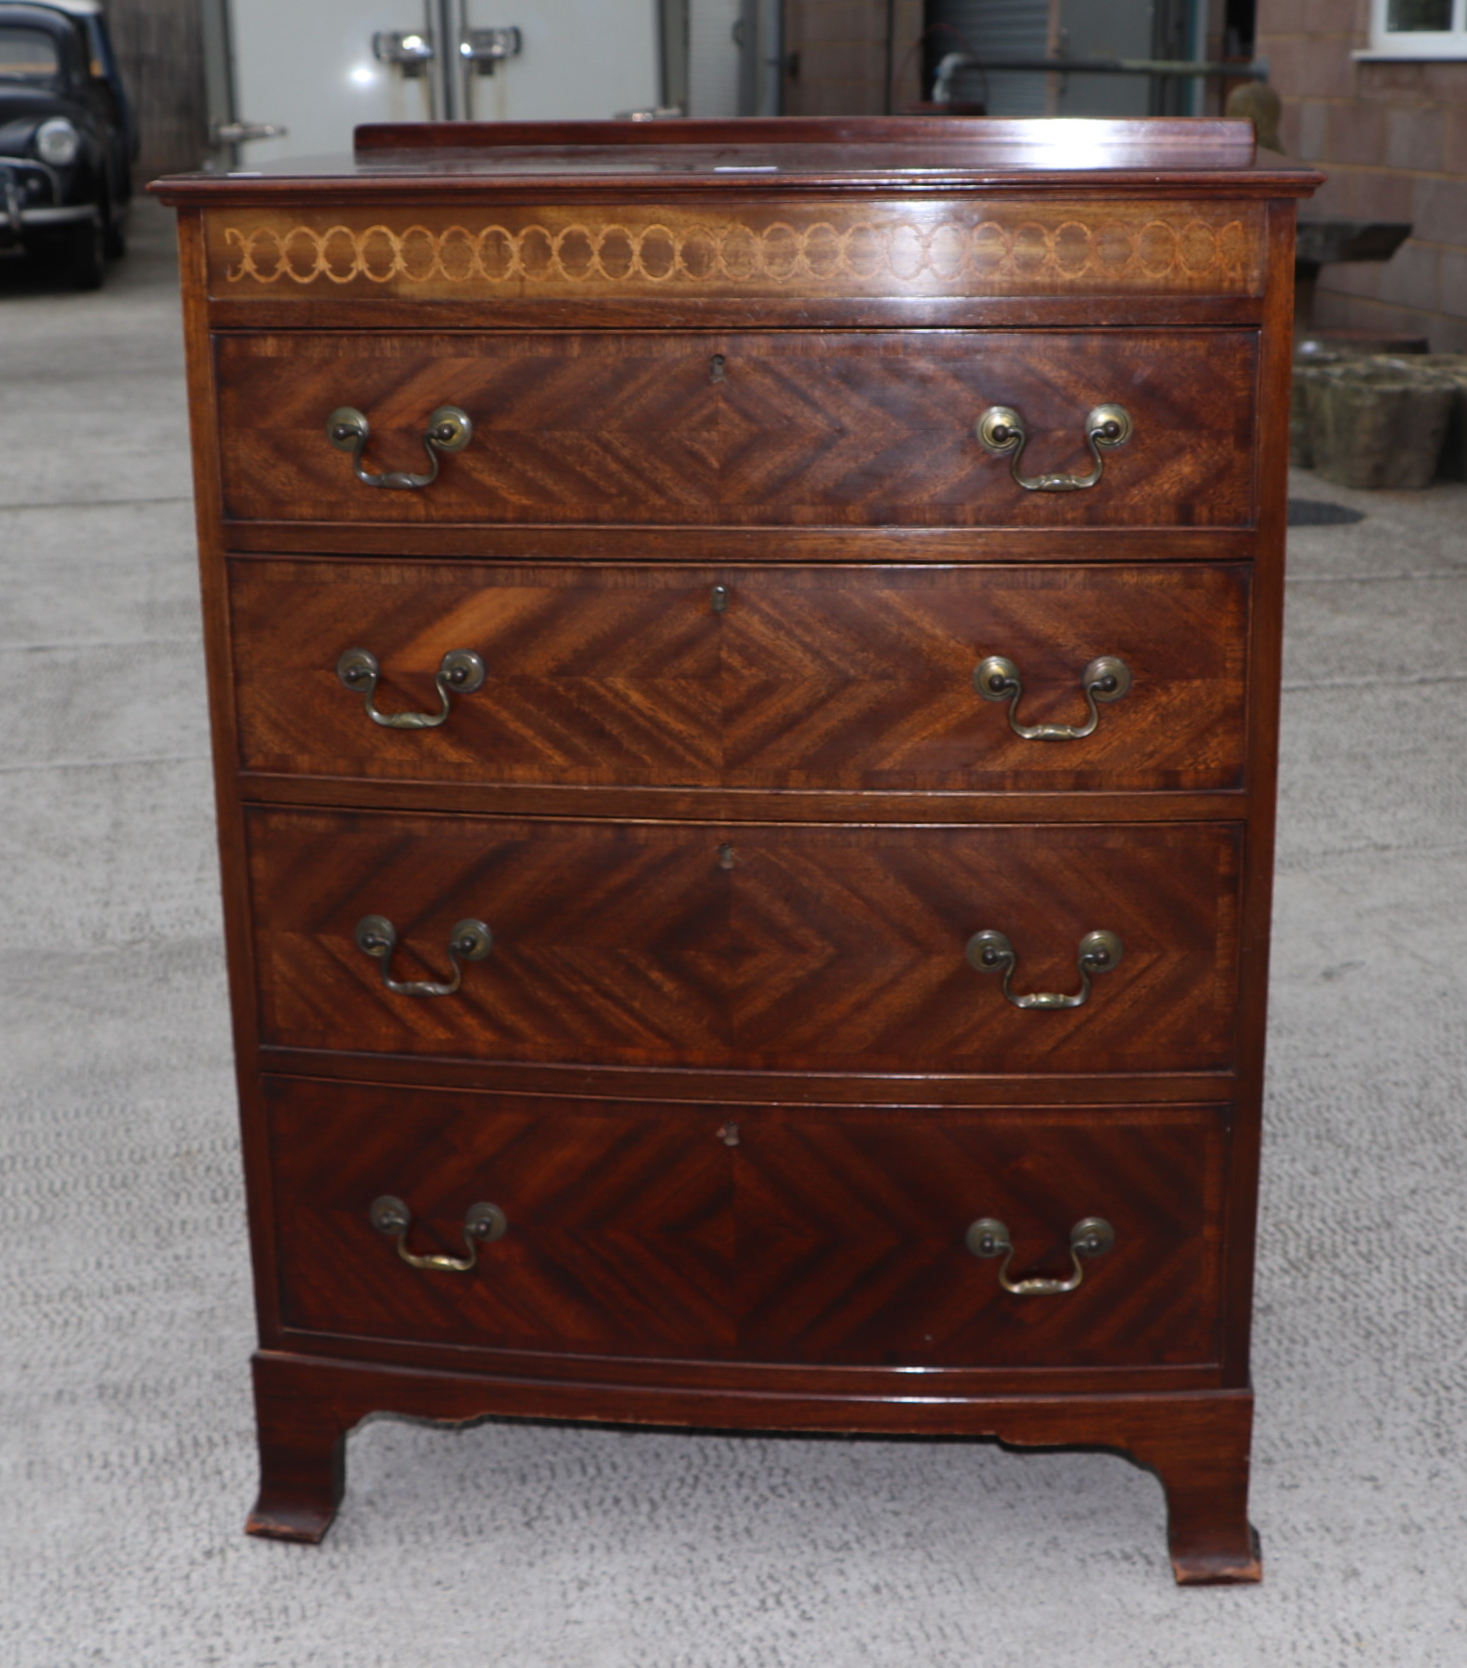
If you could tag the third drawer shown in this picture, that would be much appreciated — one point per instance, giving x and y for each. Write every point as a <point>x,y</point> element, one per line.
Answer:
<point>1110,947</point>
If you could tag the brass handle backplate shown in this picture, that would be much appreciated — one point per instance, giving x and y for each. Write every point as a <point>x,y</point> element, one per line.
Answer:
<point>482,1225</point>
<point>1093,1236</point>
<point>1001,431</point>
<point>1105,679</point>
<point>469,941</point>
<point>991,952</point>
<point>460,672</point>
<point>449,430</point>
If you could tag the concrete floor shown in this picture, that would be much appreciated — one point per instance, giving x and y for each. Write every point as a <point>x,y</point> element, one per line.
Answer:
<point>126,1460</point>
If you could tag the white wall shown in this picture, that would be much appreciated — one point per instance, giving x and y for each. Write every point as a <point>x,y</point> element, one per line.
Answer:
<point>308,64</point>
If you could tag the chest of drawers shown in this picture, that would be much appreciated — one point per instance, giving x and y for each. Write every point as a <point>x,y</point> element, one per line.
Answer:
<point>744,664</point>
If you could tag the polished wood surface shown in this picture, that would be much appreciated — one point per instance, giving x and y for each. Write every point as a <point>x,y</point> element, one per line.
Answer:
<point>857,141</point>
<point>1196,1444</point>
<point>627,251</point>
<point>779,677</point>
<point>726,1066</point>
<point>797,429</point>
<point>806,947</point>
<point>813,1236</point>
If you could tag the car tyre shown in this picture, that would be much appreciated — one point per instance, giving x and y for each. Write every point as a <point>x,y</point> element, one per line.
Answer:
<point>86,254</point>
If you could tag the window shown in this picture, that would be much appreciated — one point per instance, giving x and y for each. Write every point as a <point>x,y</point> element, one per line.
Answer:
<point>1418,29</point>
<point>27,55</point>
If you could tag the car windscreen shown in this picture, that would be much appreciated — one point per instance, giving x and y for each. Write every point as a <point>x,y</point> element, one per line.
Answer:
<point>28,55</point>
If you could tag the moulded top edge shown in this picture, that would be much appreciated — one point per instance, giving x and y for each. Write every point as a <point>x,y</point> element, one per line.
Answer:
<point>779,155</point>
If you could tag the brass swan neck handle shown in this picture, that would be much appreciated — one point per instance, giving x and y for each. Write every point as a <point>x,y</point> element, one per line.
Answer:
<point>449,430</point>
<point>1107,678</point>
<point>1092,1236</point>
<point>469,941</point>
<point>990,952</point>
<point>460,672</point>
<point>1001,431</point>
<point>483,1224</point>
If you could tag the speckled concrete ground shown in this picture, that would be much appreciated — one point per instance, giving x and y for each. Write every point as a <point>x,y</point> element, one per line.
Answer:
<point>126,1459</point>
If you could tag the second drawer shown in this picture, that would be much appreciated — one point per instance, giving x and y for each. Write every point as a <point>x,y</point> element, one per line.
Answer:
<point>808,947</point>
<point>775,677</point>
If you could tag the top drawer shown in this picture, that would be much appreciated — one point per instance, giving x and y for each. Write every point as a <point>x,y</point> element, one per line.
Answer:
<point>779,429</point>
<point>693,253</point>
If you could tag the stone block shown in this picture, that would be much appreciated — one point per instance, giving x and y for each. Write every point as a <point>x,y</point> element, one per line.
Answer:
<point>1439,210</point>
<point>1379,195</point>
<point>1454,135</point>
<point>1445,81</point>
<point>1414,136</point>
<point>1285,17</point>
<point>1285,54</point>
<point>1385,78</point>
<point>1347,21</point>
<point>1353,277</point>
<point>1310,138</point>
<point>1411,277</point>
<point>1356,133</point>
<point>1323,68</point>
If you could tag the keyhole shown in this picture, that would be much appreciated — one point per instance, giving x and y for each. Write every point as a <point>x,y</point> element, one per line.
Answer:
<point>718,599</point>
<point>715,368</point>
<point>725,857</point>
<point>729,1135</point>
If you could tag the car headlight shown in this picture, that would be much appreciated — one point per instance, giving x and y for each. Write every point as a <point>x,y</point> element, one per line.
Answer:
<point>57,142</point>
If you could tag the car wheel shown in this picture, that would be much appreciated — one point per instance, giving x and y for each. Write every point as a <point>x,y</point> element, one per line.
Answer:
<point>86,254</point>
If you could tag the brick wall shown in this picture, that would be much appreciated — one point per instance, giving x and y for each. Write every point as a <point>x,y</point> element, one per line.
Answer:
<point>1393,139</point>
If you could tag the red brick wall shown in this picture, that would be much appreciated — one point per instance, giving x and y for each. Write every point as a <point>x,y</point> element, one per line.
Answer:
<point>1393,139</point>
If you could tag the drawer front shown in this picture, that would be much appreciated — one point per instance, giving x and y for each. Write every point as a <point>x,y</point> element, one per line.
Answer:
<point>790,429</point>
<point>799,948</point>
<point>752,1232</point>
<point>838,678</point>
<point>663,255</point>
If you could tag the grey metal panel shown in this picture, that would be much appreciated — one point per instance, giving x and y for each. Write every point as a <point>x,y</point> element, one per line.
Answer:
<point>996,29</point>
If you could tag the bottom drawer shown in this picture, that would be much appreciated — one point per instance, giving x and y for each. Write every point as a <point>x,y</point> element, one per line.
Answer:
<point>764,1234</point>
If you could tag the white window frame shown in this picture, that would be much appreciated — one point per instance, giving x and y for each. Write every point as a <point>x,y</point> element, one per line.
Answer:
<point>1416,43</point>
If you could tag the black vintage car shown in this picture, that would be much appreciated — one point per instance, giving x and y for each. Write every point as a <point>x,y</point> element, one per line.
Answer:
<point>67,138</point>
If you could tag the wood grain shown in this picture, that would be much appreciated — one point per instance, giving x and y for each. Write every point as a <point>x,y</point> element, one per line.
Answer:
<point>834,678</point>
<point>557,251</point>
<point>1197,1444</point>
<point>751,1233</point>
<point>818,948</point>
<point>726,1062</point>
<point>797,429</point>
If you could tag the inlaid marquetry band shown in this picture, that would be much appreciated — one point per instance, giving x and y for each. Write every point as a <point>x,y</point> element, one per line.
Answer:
<point>989,249</point>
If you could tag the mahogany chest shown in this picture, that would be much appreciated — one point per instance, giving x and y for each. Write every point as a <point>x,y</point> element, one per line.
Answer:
<point>744,664</point>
